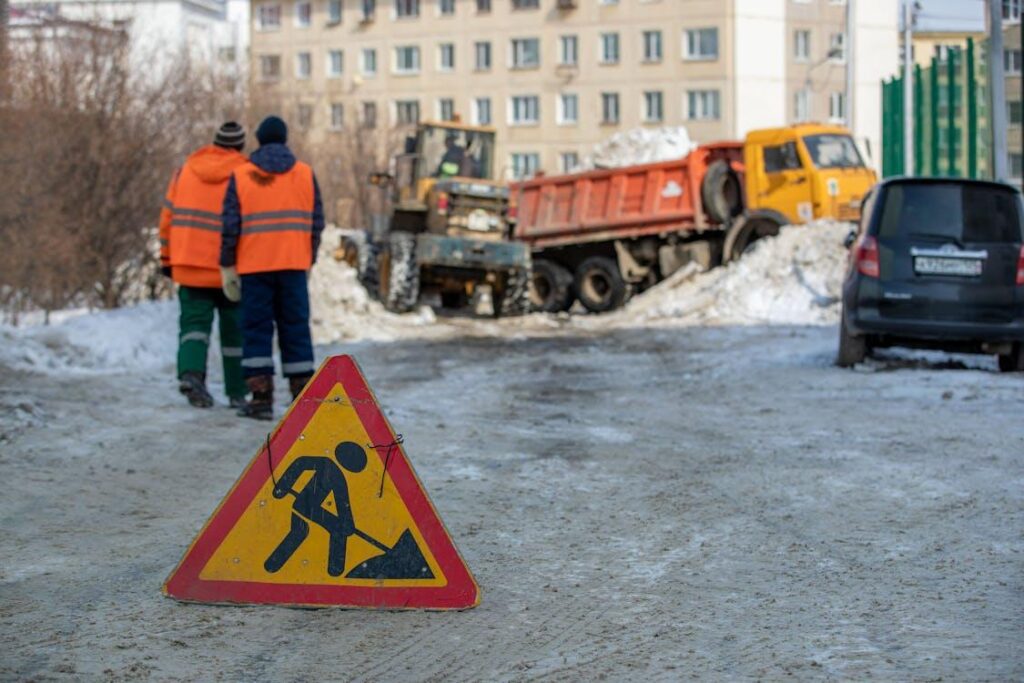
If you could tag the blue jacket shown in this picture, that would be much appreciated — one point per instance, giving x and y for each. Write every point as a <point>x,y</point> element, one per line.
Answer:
<point>274,158</point>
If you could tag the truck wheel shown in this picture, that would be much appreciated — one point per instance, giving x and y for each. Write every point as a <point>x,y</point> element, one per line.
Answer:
<point>852,349</point>
<point>511,296</point>
<point>744,233</point>
<point>1013,361</point>
<point>721,193</point>
<point>399,273</point>
<point>599,284</point>
<point>551,287</point>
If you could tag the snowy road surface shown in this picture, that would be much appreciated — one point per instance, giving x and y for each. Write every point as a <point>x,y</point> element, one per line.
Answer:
<point>669,503</point>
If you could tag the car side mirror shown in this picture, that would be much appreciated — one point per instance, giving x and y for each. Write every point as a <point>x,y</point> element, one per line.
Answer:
<point>850,238</point>
<point>381,179</point>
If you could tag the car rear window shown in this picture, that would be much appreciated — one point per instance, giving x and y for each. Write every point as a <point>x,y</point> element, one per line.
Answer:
<point>961,213</point>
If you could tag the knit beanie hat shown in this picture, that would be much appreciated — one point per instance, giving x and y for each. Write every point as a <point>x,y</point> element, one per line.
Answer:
<point>272,129</point>
<point>230,136</point>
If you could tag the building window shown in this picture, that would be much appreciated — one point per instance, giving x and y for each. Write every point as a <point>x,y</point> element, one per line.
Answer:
<point>482,50</point>
<point>1011,62</point>
<point>802,45</point>
<point>701,43</point>
<point>1013,112</point>
<point>270,67</point>
<point>702,105</point>
<point>369,114</point>
<point>570,161</point>
<point>335,63</point>
<point>837,107</point>
<point>407,112</point>
<point>334,12</point>
<point>303,14</point>
<point>446,109</point>
<point>837,47</point>
<point>525,165</point>
<point>483,5</point>
<point>568,108</point>
<point>268,17</point>
<point>1015,165</point>
<point>654,106</point>
<point>337,116</point>
<point>369,9</point>
<point>801,106</point>
<point>525,53</point>
<point>609,48</point>
<point>407,59</point>
<point>369,62</point>
<point>447,7</point>
<point>570,50</point>
<point>446,56</point>
<point>524,110</point>
<point>609,107</point>
<point>1011,12</point>
<point>525,4</point>
<point>482,111</point>
<point>303,65</point>
<point>652,46</point>
<point>407,8</point>
<point>305,116</point>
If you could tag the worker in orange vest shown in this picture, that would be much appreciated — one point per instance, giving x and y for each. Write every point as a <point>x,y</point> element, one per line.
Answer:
<point>190,227</point>
<point>273,217</point>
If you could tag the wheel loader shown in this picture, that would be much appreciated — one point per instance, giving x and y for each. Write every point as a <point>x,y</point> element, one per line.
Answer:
<point>447,229</point>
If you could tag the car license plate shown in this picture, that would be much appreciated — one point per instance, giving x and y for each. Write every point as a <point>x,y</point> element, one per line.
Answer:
<point>930,265</point>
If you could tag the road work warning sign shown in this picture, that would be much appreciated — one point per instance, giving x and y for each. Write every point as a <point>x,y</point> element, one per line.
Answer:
<point>328,513</point>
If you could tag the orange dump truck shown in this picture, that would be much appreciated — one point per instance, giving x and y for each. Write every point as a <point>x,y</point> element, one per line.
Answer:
<point>597,236</point>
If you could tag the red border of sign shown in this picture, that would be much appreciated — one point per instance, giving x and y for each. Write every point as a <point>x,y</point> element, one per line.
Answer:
<point>461,591</point>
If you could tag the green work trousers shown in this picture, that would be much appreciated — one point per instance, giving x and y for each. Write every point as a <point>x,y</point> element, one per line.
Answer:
<point>197,308</point>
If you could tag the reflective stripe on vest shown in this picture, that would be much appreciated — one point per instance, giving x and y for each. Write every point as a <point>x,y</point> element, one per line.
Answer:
<point>277,218</point>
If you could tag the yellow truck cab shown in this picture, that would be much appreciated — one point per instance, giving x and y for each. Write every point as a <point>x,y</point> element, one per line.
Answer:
<point>805,171</point>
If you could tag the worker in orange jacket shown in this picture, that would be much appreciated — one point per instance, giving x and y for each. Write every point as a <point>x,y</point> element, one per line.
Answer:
<point>190,233</point>
<point>273,217</point>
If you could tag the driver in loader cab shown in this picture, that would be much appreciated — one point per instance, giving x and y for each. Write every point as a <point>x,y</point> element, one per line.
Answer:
<point>454,156</point>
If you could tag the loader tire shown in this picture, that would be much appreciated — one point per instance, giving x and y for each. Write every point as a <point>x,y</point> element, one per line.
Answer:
<point>599,284</point>
<point>551,287</point>
<point>512,296</point>
<point>721,193</point>
<point>361,254</point>
<point>399,287</point>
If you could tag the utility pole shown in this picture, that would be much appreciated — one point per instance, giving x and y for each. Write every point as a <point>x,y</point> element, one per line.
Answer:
<point>908,87</point>
<point>997,85</point>
<point>851,25</point>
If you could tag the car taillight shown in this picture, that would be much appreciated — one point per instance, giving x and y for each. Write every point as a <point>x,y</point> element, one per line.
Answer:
<point>1020,267</point>
<point>442,203</point>
<point>867,257</point>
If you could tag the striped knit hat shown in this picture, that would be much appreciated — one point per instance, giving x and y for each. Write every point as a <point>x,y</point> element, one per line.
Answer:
<point>231,135</point>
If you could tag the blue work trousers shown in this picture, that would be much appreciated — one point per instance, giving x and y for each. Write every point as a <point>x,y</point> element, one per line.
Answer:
<point>278,298</point>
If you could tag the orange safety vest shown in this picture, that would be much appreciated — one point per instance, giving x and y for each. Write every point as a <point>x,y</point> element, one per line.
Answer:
<point>277,218</point>
<point>190,223</point>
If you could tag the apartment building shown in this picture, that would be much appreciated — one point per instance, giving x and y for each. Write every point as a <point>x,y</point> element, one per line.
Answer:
<point>554,77</point>
<point>1014,99</point>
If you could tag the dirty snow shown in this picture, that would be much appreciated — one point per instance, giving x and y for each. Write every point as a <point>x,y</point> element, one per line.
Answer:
<point>639,146</point>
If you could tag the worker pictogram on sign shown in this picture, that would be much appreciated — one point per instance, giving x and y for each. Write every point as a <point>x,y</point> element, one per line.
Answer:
<point>329,512</point>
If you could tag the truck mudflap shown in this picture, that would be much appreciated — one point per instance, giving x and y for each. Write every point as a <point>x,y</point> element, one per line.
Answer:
<point>463,252</point>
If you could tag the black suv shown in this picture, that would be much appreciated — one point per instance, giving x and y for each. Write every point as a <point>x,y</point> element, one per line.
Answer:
<point>936,263</point>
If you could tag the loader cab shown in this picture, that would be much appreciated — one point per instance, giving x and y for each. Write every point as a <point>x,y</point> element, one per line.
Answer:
<point>441,151</point>
<point>806,172</point>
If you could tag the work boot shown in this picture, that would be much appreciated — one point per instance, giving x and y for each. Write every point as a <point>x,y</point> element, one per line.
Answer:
<point>297,384</point>
<point>237,402</point>
<point>261,405</point>
<point>193,386</point>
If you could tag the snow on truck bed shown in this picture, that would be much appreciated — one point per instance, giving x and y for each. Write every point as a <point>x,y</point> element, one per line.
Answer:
<point>790,279</point>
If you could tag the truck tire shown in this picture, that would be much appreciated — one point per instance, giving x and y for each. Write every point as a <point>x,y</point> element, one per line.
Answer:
<point>721,193</point>
<point>399,273</point>
<point>599,284</point>
<point>551,287</point>
<point>512,296</point>
<point>745,232</point>
<point>852,349</point>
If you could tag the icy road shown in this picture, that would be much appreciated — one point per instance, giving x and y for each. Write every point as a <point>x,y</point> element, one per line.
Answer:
<point>669,503</point>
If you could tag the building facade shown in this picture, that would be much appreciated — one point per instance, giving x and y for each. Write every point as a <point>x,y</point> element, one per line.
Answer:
<point>1014,106</point>
<point>557,76</point>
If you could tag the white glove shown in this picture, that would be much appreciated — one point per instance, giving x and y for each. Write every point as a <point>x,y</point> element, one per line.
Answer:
<point>232,283</point>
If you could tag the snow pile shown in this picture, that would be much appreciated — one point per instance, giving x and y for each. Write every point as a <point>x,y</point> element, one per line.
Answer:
<point>794,278</point>
<point>640,146</point>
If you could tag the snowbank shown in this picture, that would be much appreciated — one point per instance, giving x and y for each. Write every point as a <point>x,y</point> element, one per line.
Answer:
<point>794,278</point>
<point>640,146</point>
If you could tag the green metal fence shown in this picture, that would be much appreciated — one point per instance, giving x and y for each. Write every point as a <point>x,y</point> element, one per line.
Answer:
<point>951,118</point>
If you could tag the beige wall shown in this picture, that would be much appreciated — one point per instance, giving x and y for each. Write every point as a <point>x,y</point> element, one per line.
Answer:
<point>673,75</point>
